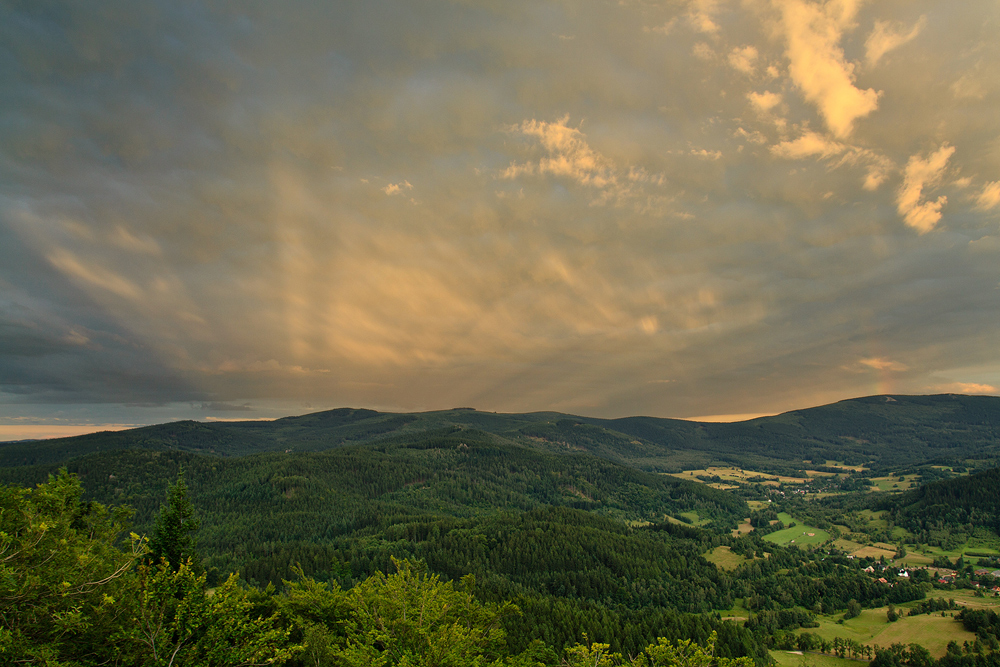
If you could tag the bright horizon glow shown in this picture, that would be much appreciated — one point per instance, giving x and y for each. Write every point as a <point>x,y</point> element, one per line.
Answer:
<point>10,432</point>
<point>728,418</point>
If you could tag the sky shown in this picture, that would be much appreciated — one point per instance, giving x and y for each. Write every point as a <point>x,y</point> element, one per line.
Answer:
<point>684,208</point>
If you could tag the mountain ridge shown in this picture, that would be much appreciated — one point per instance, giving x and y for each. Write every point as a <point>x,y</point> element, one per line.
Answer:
<point>882,431</point>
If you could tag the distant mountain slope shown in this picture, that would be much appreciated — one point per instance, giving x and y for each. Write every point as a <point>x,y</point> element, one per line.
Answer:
<point>945,513</point>
<point>883,431</point>
<point>272,503</point>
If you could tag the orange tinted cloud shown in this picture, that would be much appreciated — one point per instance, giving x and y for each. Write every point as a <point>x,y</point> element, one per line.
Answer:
<point>817,65</point>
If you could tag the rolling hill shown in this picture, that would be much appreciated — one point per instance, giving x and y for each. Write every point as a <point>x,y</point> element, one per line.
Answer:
<point>882,432</point>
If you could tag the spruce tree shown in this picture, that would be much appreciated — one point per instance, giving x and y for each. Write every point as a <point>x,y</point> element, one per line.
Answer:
<point>173,535</point>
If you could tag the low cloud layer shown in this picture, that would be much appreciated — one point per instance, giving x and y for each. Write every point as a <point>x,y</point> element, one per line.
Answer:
<point>701,208</point>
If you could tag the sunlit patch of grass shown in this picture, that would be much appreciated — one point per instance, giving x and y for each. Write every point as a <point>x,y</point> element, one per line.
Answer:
<point>799,535</point>
<point>796,659</point>
<point>932,631</point>
<point>724,558</point>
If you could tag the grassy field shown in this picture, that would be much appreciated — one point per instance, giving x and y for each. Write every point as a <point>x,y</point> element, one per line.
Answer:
<point>743,528</point>
<point>967,598</point>
<point>799,535</point>
<point>932,631</point>
<point>694,518</point>
<point>724,558</point>
<point>736,613</point>
<point>895,483</point>
<point>848,546</point>
<point>734,475</point>
<point>797,659</point>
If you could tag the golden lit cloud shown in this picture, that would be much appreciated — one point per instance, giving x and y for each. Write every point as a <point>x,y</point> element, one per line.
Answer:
<point>808,145</point>
<point>919,174</point>
<point>889,35</point>
<point>812,33</point>
<point>701,14</point>
<point>883,364</point>
<point>989,197</point>
<point>568,154</point>
<point>743,59</point>
<point>397,188</point>
<point>765,101</point>
<point>965,388</point>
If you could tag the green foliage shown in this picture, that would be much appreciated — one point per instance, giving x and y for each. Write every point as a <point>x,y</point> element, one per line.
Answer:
<point>178,621</point>
<point>173,533</point>
<point>902,655</point>
<point>664,653</point>
<point>412,618</point>
<point>62,579</point>
<point>946,513</point>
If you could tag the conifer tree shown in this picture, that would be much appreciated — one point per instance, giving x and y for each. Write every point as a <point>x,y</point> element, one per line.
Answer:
<point>173,535</point>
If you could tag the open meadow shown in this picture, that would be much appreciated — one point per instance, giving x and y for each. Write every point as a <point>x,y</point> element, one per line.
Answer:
<point>800,659</point>
<point>872,627</point>
<point>799,535</point>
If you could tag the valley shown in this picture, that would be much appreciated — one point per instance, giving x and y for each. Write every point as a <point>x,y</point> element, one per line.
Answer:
<point>798,532</point>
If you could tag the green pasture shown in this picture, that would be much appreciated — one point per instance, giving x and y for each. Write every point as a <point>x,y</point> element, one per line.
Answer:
<point>797,659</point>
<point>894,484</point>
<point>724,558</point>
<point>967,598</point>
<point>932,631</point>
<point>799,535</point>
<point>735,613</point>
<point>694,518</point>
<point>972,550</point>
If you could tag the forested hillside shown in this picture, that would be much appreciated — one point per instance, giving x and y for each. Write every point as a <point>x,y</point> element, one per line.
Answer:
<point>280,507</point>
<point>880,431</point>
<point>948,511</point>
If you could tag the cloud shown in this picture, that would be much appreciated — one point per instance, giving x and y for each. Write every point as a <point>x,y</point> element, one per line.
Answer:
<point>569,155</point>
<point>883,364</point>
<point>221,406</point>
<point>397,188</point>
<point>701,15</point>
<point>965,388</point>
<point>212,218</point>
<point>919,174</point>
<point>743,59</point>
<point>125,239</point>
<point>808,145</point>
<point>703,51</point>
<point>706,154</point>
<point>990,196</point>
<point>889,35</point>
<point>765,101</point>
<point>817,65</point>
<point>92,275</point>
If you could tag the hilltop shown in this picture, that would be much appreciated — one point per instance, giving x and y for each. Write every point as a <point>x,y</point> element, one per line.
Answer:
<point>879,432</point>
